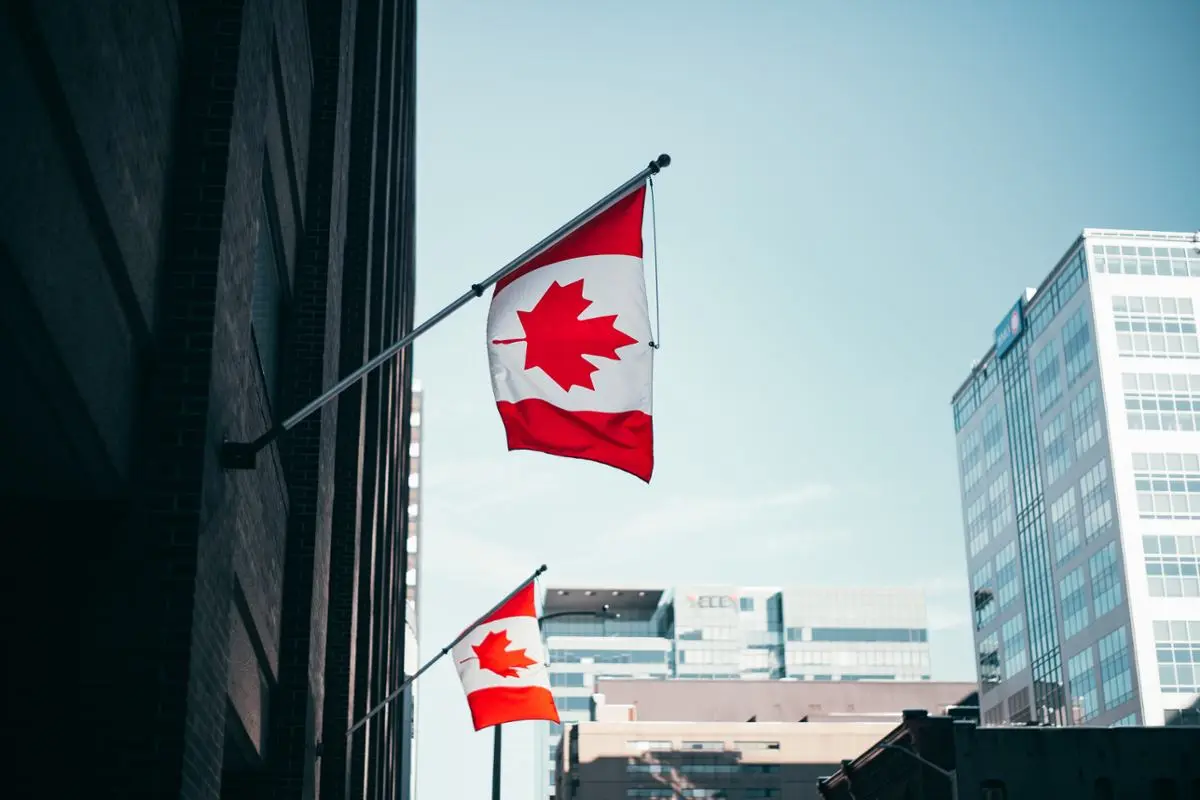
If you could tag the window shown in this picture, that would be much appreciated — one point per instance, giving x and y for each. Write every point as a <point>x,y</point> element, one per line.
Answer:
<point>1000,505</point>
<point>1106,580</point>
<point>1115,671</point>
<point>1097,502</point>
<point>1064,526</point>
<point>1057,446</point>
<point>1077,345</point>
<point>1007,585</point>
<point>993,436</point>
<point>644,745</point>
<point>1155,327</point>
<point>971,458</point>
<point>703,746</point>
<point>573,703</point>
<point>266,306</point>
<point>982,579</point>
<point>709,794</point>
<point>1130,260</point>
<point>1177,647</point>
<point>1082,688</point>
<point>748,746</point>
<point>1048,368</point>
<point>566,679</point>
<point>572,656</point>
<point>870,635</point>
<point>1172,565</point>
<point>1161,401</point>
<point>1168,485</point>
<point>978,525</point>
<point>989,661</point>
<point>746,603</point>
<point>1016,656</point>
<point>1072,590</point>
<point>1085,418</point>
<point>1127,721</point>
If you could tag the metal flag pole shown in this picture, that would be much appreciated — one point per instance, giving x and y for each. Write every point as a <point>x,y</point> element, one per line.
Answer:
<point>496,764</point>
<point>385,702</point>
<point>243,455</point>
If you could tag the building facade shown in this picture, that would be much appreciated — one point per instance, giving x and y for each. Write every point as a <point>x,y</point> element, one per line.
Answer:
<point>714,760</point>
<point>206,217</point>
<point>1079,450</point>
<point>725,632</point>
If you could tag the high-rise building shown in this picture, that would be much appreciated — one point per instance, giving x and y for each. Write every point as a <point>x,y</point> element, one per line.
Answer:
<point>724,632</point>
<point>412,585</point>
<point>1078,439</point>
<point>206,218</point>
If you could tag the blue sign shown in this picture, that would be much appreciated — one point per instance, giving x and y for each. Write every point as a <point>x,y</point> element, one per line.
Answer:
<point>1008,331</point>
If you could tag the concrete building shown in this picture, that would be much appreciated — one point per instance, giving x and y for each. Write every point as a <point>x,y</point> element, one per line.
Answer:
<point>775,701</point>
<point>206,217</point>
<point>932,758</point>
<point>1079,449</point>
<point>717,760</point>
<point>707,632</point>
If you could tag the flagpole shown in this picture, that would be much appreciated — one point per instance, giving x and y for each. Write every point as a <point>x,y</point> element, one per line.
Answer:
<point>382,704</point>
<point>496,764</point>
<point>243,455</point>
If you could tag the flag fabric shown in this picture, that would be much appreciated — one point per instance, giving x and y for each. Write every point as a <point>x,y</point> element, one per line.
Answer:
<point>502,664</point>
<point>569,346</point>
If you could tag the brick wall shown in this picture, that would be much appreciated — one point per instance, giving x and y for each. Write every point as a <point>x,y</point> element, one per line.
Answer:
<point>224,622</point>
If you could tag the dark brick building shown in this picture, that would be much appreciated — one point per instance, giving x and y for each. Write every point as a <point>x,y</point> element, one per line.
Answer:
<point>206,216</point>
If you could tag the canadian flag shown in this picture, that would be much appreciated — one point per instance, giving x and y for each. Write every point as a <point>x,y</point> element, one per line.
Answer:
<point>569,346</point>
<point>502,665</point>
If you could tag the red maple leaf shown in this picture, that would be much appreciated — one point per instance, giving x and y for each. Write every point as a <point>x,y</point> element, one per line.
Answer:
<point>494,655</point>
<point>556,339</point>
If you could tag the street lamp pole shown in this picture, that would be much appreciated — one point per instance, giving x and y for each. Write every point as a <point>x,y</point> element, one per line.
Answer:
<point>605,612</point>
<point>949,774</point>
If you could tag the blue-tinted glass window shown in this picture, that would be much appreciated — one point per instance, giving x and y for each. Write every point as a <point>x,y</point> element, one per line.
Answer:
<point>1172,565</point>
<point>1077,345</point>
<point>978,524</point>
<point>1082,687</point>
<point>869,635</point>
<point>1096,495</point>
<point>1155,327</point>
<point>1115,668</point>
<point>971,458</point>
<point>1008,586</point>
<point>1065,532</point>
<point>1085,418</point>
<point>575,656</point>
<point>1168,485</point>
<point>1162,401</point>
<point>1056,448</point>
<point>1072,591</point>
<point>993,436</point>
<point>566,679</point>
<point>746,603</point>
<point>573,703</point>
<point>1177,646</point>
<point>980,581</point>
<point>989,661</point>
<point>1016,654</point>
<point>1048,369</point>
<point>1106,579</point>
<point>1000,503</point>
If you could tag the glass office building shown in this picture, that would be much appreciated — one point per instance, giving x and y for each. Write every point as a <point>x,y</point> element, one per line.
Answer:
<point>1079,455</point>
<point>710,632</point>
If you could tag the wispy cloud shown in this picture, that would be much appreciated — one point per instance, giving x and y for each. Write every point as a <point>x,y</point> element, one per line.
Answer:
<point>690,515</point>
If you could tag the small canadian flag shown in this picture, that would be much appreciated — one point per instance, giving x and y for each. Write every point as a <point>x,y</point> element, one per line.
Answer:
<point>502,664</point>
<point>569,345</point>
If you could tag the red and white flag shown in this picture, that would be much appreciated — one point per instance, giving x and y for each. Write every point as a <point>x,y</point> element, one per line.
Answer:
<point>502,664</point>
<point>569,346</point>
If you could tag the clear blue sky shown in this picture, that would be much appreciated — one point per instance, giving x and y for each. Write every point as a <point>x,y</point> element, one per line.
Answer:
<point>860,191</point>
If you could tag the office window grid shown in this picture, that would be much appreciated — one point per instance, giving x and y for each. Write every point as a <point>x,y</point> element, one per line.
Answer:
<point>1056,448</point>
<point>1051,300</point>
<point>989,661</point>
<point>1016,655</point>
<point>1065,530</point>
<point>1106,579</point>
<point>1177,648</point>
<point>1178,262</point>
<point>978,525</point>
<point>1073,593</point>
<point>1162,401</point>
<point>1082,687</point>
<point>1172,565</point>
<point>1048,368</point>
<point>1077,345</point>
<point>1116,673</point>
<point>971,457</point>
<point>982,579</point>
<point>983,381</point>
<point>1127,721</point>
<point>1085,418</point>
<point>1008,585</point>
<point>1000,503</point>
<point>993,436</point>
<point>1168,485</point>
<point>1155,327</point>
<point>1094,489</point>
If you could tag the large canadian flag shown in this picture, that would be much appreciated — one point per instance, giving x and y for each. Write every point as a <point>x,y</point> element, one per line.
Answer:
<point>569,346</point>
<point>502,664</point>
